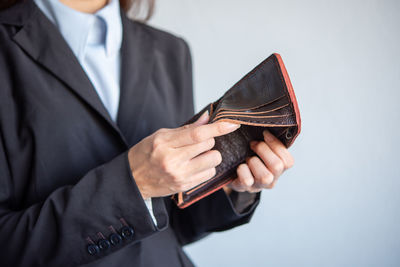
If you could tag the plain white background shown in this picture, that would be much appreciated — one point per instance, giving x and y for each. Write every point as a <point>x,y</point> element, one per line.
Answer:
<point>340,204</point>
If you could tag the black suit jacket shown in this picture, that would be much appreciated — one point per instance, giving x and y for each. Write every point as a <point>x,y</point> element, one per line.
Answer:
<point>67,195</point>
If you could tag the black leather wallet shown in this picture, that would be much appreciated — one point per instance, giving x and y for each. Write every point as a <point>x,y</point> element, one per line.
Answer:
<point>262,99</point>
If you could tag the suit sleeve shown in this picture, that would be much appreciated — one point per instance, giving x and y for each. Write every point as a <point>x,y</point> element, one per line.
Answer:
<point>77,224</point>
<point>217,212</point>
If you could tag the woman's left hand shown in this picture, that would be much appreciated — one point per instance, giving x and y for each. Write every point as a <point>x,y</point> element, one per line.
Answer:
<point>262,171</point>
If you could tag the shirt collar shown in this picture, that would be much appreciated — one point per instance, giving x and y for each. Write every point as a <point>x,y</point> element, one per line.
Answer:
<point>81,30</point>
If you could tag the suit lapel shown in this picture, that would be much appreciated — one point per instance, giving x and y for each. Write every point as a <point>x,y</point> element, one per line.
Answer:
<point>137,65</point>
<point>40,39</point>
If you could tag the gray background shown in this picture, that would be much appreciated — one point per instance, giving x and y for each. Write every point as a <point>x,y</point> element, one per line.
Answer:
<point>339,204</point>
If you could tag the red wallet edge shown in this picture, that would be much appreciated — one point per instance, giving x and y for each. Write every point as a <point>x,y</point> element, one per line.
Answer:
<point>291,93</point>
<point>188,203</point>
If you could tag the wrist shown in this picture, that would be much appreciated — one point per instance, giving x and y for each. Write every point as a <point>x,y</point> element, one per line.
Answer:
<point>140,183</point>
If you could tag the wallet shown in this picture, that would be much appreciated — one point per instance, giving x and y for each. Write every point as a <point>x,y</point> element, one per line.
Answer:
<point>262,99</point>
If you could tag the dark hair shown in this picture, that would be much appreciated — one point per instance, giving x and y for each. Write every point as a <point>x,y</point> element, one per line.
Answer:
<point>140,9</point>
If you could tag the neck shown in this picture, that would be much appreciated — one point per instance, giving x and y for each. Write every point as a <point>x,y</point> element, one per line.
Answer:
<point>86,6</point>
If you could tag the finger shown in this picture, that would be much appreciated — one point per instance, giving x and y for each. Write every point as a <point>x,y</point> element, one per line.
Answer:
<point>200,133</point>
<point>203,119</point>
<point>245,178</point>
<point>262,176</point>
<point>280,150</point>
<point>191,151</point>
<point>199,178</point>
<point>270,159</point>
<point>207,160</point>
<point>163,135</point>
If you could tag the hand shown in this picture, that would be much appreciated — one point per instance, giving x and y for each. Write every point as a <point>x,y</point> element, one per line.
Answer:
<point>262,171</point>
<point>175,160</point>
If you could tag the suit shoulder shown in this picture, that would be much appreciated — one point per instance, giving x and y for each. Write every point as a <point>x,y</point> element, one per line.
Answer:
<point>164,39</point>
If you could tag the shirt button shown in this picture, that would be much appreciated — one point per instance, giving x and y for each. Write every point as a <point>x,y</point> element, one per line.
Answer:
<point>127,232</point>
<point>93,249</point>
<point>103,244</point>
<point>115,239</point>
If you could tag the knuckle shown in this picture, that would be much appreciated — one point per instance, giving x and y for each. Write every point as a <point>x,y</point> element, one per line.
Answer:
<point>166,166</point>
<point>259,146</point>
<point>220,128</point>
<point>241,167</point>
<point>213,172</point>
<point>196,135</point>
<point>277,166</point>
<point>252,160</point>
<point>267,178</point>
<point>157,140</point>
<point>217,157</point>
<point>290,162</point>
<point>248,182</point>
<point>210,143</point>
<point>156,144</point>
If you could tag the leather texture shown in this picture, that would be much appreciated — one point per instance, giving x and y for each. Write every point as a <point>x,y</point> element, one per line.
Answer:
<point>262,99</point>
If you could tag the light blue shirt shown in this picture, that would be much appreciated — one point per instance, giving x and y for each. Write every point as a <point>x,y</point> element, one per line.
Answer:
<point>96,40</point>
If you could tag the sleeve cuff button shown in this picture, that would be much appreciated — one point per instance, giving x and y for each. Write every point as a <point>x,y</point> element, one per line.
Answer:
<point>115,239</point>
<point>93,249</point>
<point>103,244</point>
<point>127,232</point>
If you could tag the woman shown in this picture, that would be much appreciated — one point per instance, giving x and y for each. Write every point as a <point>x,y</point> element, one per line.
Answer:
<point>89,149</point>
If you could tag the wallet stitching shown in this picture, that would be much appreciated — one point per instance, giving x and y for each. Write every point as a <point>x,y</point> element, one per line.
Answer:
<point>211,109</point>
<point>256,123</point>
<point>287,88</point>
<point>284,82</point>
<point>246,116</point>
<point>254,107</point>
<point>254,112</point>
<point>281,75</point>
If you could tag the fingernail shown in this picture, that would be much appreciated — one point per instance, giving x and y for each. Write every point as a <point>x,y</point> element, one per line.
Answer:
<point>230,126</point>
<point>205,114</point>
<point>203,117</point>
<point>253,143</point>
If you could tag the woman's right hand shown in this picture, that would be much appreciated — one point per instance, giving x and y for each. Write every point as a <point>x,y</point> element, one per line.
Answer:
<point>175,160</point>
